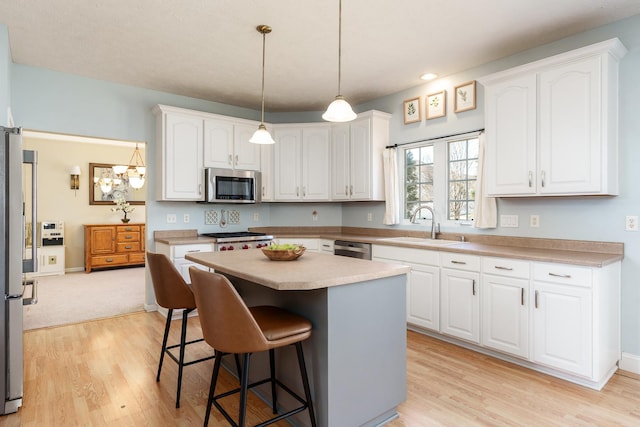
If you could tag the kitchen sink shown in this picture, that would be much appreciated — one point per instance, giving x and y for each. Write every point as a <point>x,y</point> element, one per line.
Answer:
<point>422,241</point>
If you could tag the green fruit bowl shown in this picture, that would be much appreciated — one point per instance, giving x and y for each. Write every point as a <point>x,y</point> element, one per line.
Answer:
<point>284,254</point>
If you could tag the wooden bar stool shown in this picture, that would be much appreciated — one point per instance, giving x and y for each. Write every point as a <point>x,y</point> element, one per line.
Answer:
<point>172,293</point>
<point>229,326</point>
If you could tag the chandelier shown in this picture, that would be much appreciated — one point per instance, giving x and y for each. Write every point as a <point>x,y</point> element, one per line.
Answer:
<point>106,181</point>
<point>133,172</point>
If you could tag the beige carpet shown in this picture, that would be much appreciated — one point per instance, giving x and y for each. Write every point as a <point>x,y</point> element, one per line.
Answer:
<point>77,297</point>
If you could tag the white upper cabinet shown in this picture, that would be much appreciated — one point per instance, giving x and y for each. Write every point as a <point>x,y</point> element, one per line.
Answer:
<point>266,166</point>
<point>301,163</point>
<point>179,155</point>
<point>226,145</point>
<point>551,125</point>
<point>356,157</point>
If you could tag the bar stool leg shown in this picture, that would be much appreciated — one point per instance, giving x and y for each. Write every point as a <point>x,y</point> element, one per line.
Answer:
<point>164,342</point>
<point>305,383</point>
<point>272,368</point>
<point>244,385</point>
<point>183,339</point>
<point>212,387</point>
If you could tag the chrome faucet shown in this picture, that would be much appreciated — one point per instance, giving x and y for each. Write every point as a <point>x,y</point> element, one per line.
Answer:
<point>433,218</point>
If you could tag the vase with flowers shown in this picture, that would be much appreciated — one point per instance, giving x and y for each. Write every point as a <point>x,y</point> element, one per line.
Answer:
<point>124,206</point>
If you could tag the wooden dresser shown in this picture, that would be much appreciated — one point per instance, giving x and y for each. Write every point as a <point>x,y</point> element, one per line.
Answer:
<point>113,245</point>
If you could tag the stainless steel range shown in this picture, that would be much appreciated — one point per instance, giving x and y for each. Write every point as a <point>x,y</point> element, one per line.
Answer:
<point>235,240</point>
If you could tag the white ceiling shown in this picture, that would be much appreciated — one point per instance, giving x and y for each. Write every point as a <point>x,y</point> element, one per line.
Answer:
<point>210,49</point>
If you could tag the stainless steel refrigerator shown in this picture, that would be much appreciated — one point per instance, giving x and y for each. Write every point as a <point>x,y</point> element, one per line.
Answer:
<point>17,221</point>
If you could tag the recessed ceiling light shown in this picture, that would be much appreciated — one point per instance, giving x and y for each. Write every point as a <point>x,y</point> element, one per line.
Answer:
<point>428,76</point>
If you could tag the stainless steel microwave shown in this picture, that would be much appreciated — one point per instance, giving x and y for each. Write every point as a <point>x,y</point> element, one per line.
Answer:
<point>231,186</point>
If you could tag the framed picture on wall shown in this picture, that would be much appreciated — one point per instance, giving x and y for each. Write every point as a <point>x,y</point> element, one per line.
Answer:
<point>104,189</point>
<point>436,105</point>
<point>465,97</point>
<point>412,110</point>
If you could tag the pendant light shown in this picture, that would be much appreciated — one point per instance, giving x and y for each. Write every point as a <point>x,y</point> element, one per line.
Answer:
<point>262,135</point>
<point>339,110</point>
<point>133,172</point>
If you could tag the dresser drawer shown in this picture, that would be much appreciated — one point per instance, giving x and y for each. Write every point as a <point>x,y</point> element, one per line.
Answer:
<point>103,261</point>
<point>129,236</point>
<point>128,229</point>
<point>137,258</point>
<point>128,247</point>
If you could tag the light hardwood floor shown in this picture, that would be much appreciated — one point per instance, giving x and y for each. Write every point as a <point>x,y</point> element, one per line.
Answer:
<point>102,373</point>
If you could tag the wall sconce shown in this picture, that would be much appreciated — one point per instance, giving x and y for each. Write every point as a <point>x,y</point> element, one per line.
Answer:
<point>74,182</point>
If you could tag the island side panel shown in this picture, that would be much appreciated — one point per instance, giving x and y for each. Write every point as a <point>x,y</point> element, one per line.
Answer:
<point>367,351</point>
<point>356,356</point>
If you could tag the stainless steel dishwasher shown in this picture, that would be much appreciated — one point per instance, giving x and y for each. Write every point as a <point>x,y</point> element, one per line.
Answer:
<point>352,249</point>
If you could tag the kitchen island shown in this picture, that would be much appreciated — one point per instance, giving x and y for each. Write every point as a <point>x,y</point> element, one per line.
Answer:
<point>356,356</point>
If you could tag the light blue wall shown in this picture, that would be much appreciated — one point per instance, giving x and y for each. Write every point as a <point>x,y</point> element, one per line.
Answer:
<point>5,74</point>
<point>57,102</point>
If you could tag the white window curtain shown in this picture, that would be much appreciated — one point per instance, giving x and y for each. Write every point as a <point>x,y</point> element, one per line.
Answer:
<point>391,190</point>
<point>486,215</point>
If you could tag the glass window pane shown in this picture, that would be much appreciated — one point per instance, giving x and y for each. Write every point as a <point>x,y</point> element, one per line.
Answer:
<point>457,150</point>
<point>412,156</point>
<point>457,171</point>
<point>457,191</point>
<point>473,170</point>
<point>426,173</point>
<point>411,174</point>
<point>473,148</point>
<point>426,154</point>
<point>411,192</point>
<point>426,193</point>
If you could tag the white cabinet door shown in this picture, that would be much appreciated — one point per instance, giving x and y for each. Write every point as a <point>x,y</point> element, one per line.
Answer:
<point>227,146</point>
<point>571,128</point>
<point>315,163</point>
<point>423,296</point>
<point>266,168</point>
<point>460,304</point>
<point>511,136</point>
<point>287,164</point>
<point>218,144</point>
<point>182,165</point>
<point>505,314</point>
<point>360,158</point>
<point>562,332</point>
<point>340,169</point>
<point>182,265</point>
<point>246,155</point>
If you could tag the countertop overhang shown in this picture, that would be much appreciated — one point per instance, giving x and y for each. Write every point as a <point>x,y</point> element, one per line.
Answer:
<point>310,271</point>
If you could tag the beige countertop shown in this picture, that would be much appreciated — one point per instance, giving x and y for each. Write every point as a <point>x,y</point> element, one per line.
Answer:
<point>575,252</point>
<point>310,271</point>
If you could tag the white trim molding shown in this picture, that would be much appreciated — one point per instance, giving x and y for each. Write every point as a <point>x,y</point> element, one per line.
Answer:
<point>630,362</point>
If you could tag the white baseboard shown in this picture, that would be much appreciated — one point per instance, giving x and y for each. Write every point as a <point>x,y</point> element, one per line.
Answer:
<point>630,362</point>
<point>152,307</point>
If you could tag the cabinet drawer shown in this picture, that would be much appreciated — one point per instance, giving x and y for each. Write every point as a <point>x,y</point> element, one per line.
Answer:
<point>136,258</point>
<point>179,251</point>
<point>506,267</point>
<point>128,229</point>
<point>128,247</point>
<point>130,236</point>
<point>102,261</point>
<point>562,273</point>
<point>460,261</point>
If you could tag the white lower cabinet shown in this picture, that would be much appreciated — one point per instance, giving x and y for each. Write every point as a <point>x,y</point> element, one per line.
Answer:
<point>505,305</point>
<point>176,254</point>
<point>563,318</point>
<point>311,245</point>
<point>423,283</point>
<point>326,246</point>
<point>560,319</point>
<point>460,296</point>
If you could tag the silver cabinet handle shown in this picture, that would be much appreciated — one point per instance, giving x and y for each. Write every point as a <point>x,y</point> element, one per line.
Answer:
<point>530,179</point>
<point>128,247</point>
<point>230,159</point>
<point>351,190</point>
<point>521,296</point>
<point>297,191</point>
<point>194,250</point>
<point>304,191</point>
<point>346,190</point>
<point>128,237</point>
<point>563,276</point>
<point>473,287</point>
<point>542,178</point>
<point>458,262</point>
<point>536,300</point>
<point>497,267</point>
<point>263,191</point>
<point>236,159</point>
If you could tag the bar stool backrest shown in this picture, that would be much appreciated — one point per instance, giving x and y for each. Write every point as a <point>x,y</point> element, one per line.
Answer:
<point>172,292</point>
<point>227,324</point>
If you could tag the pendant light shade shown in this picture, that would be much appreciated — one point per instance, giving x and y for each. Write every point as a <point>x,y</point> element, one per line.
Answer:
<point>339,110</point>
<point>262,135</point>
